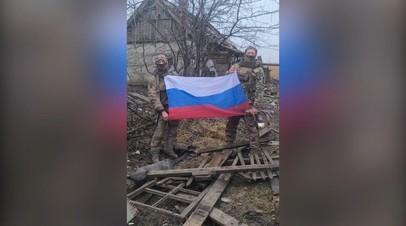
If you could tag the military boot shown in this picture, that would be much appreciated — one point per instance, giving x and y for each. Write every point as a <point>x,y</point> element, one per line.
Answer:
<point>155,156</point>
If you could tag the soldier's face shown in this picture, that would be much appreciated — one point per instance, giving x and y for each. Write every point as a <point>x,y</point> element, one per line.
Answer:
<point>250,53</point>
<point>160,64</point>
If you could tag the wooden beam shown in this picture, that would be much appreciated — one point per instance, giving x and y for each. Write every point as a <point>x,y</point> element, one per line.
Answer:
<point>199,216</point>
<point>184,190</point>
<point>210,170</point>
<point>141,189</point>
<point>142,206</point>
<point>223,219</point>
<point>228,175</point>
<point>171,196</point>
<point>230,161</point>
<point>246,175</point>
<point>258,162</point>
<point>186,212</point>
<point>173,191</point>
<point>264,131</point>
<point>266,162</point>
<point>190,180</point>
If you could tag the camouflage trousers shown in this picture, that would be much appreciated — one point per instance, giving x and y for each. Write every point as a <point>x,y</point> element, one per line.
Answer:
<point>251,127</point>
<point>164,136</point>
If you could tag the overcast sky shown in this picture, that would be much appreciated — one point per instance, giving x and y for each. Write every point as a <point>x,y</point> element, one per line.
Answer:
<point>271,54</point>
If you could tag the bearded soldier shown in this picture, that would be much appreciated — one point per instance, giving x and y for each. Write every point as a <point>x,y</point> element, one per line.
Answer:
<point>166,131</point>
<point>251,76</point>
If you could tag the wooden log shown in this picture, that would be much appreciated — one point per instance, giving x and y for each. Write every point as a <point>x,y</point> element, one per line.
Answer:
<point>210,170</point>
<point>223,219</point>
<point>205,206</point>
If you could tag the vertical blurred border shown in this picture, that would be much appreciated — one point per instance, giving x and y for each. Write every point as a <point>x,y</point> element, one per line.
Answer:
<point>342,113</point>
<point>65,112</point>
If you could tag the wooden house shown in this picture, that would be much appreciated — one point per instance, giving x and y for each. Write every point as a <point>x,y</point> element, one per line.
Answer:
<point>154,27</point>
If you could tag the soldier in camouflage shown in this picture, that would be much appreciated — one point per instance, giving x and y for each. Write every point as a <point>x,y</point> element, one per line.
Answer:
<point>166,131</point>
<point>251,76</point>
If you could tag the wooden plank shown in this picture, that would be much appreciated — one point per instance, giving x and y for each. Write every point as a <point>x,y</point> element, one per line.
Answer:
<point>143,198</point>
<point>226,155</point>
<point>259,163</point>
<point>254,174</point>
<point>186,212</point>
<point>228,175</point>
<point>223,219</point>
<point>230,161</point>
<point>210,170</point>
<point>264,131</point>
<point>215,161</point>
<point>163,181</point>
<point>205,206</point>
<point>272,161</point>
<point>179,178</point>
<point>173,191</point>
<point>190,180</point>
<point>184,190</point>
<point>168,213</point>
<point>266,162</point>
<point>171,196</point>
<point>246,175</point>
<point>141,189</point>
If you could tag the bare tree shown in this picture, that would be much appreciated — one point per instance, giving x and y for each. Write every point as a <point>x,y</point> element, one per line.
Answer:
<point>205,25</point>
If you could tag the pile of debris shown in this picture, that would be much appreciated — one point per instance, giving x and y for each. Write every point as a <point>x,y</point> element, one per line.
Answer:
<point>196,190</point>
<point>224,185</point>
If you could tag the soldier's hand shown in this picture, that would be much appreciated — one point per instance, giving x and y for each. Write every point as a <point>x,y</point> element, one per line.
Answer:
<point>232,69</point>
<point>165,116</point>
<point>251,111</point>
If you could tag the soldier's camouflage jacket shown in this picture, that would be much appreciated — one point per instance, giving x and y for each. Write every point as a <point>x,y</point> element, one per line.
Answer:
<point>157,90</point>
<point>252,77</point>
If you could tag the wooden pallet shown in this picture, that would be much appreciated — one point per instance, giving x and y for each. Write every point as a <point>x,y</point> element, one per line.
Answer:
<point>177,191</point>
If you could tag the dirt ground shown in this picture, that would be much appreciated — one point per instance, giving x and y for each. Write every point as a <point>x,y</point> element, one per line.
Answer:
<point>250,202</point>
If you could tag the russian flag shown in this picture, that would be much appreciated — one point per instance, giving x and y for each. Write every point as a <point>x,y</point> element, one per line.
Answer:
<point>205,97</point>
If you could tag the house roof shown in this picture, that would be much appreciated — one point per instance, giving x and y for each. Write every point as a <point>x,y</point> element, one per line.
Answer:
<point>174,11</point>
